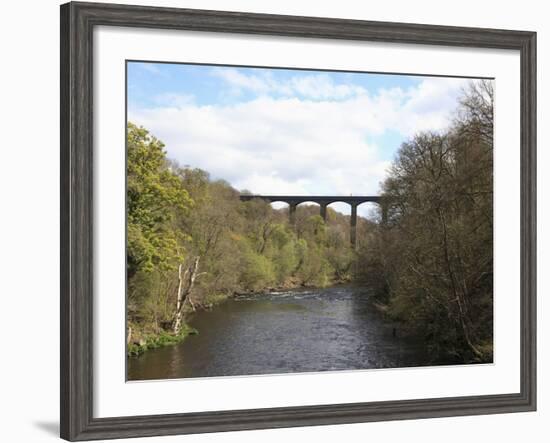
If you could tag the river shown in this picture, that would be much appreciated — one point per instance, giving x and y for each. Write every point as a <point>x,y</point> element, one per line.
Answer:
<point>305,330</point>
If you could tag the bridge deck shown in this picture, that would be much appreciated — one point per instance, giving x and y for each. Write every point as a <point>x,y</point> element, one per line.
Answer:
<point>320,199</point>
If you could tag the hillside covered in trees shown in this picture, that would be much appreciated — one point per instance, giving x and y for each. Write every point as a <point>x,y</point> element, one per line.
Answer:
<point>192,243</point>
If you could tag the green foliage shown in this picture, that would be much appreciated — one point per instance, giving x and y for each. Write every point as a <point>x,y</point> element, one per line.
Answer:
<point>257,271</point>
<point>158,340</point>
<point>155,198</point>
<point>285,260</point>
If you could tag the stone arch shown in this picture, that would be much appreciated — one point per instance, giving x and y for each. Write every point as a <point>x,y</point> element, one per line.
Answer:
<point>371,204</point>
<point>340,204</point>
<point>305,201</point>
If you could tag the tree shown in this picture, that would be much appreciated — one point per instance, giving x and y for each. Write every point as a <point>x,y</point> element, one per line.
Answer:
<point>155,197</point>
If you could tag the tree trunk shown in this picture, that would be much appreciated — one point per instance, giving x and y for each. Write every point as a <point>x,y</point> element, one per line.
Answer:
<point>179,301</point>
<point>186,281</point>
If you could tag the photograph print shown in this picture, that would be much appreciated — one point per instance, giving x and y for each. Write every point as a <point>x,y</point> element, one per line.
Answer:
<point>293,221</point>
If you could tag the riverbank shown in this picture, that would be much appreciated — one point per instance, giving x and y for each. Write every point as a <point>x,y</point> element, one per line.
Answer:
<point>154,341</point>
<point>438,355</point>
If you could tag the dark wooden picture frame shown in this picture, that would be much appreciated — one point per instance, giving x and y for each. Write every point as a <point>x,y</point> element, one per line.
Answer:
<point>77,23</point>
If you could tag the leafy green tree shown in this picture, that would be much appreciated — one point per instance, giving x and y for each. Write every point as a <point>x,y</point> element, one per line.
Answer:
<point>257,271</point>
<point>155,197</point>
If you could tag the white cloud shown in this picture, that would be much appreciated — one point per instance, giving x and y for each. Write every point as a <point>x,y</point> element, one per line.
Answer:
<point>286,145</point>
<point>321,86</point>
<point>315,86</point>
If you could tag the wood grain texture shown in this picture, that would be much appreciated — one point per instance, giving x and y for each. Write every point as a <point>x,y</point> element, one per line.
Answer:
<point>77,23</point>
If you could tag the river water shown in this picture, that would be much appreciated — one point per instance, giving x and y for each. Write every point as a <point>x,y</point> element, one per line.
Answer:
<point>329,329</point>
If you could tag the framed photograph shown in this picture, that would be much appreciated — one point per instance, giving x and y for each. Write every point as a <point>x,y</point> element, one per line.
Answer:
<point>272,221</point>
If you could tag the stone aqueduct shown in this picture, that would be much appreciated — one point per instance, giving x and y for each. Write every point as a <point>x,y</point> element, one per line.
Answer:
<point>323,201</point>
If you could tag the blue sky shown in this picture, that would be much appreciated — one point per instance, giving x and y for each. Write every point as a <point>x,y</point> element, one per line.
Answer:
<point>205,83</point>
<point>283,131</point>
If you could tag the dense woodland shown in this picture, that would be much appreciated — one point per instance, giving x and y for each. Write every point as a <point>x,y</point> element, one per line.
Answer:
<point>434,259</point>
<point>192,243</point>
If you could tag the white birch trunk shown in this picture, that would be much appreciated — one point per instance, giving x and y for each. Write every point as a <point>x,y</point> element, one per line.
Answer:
<point>186,281</point>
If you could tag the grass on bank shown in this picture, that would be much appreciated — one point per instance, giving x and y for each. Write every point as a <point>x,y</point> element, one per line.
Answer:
<point>163,338</point>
